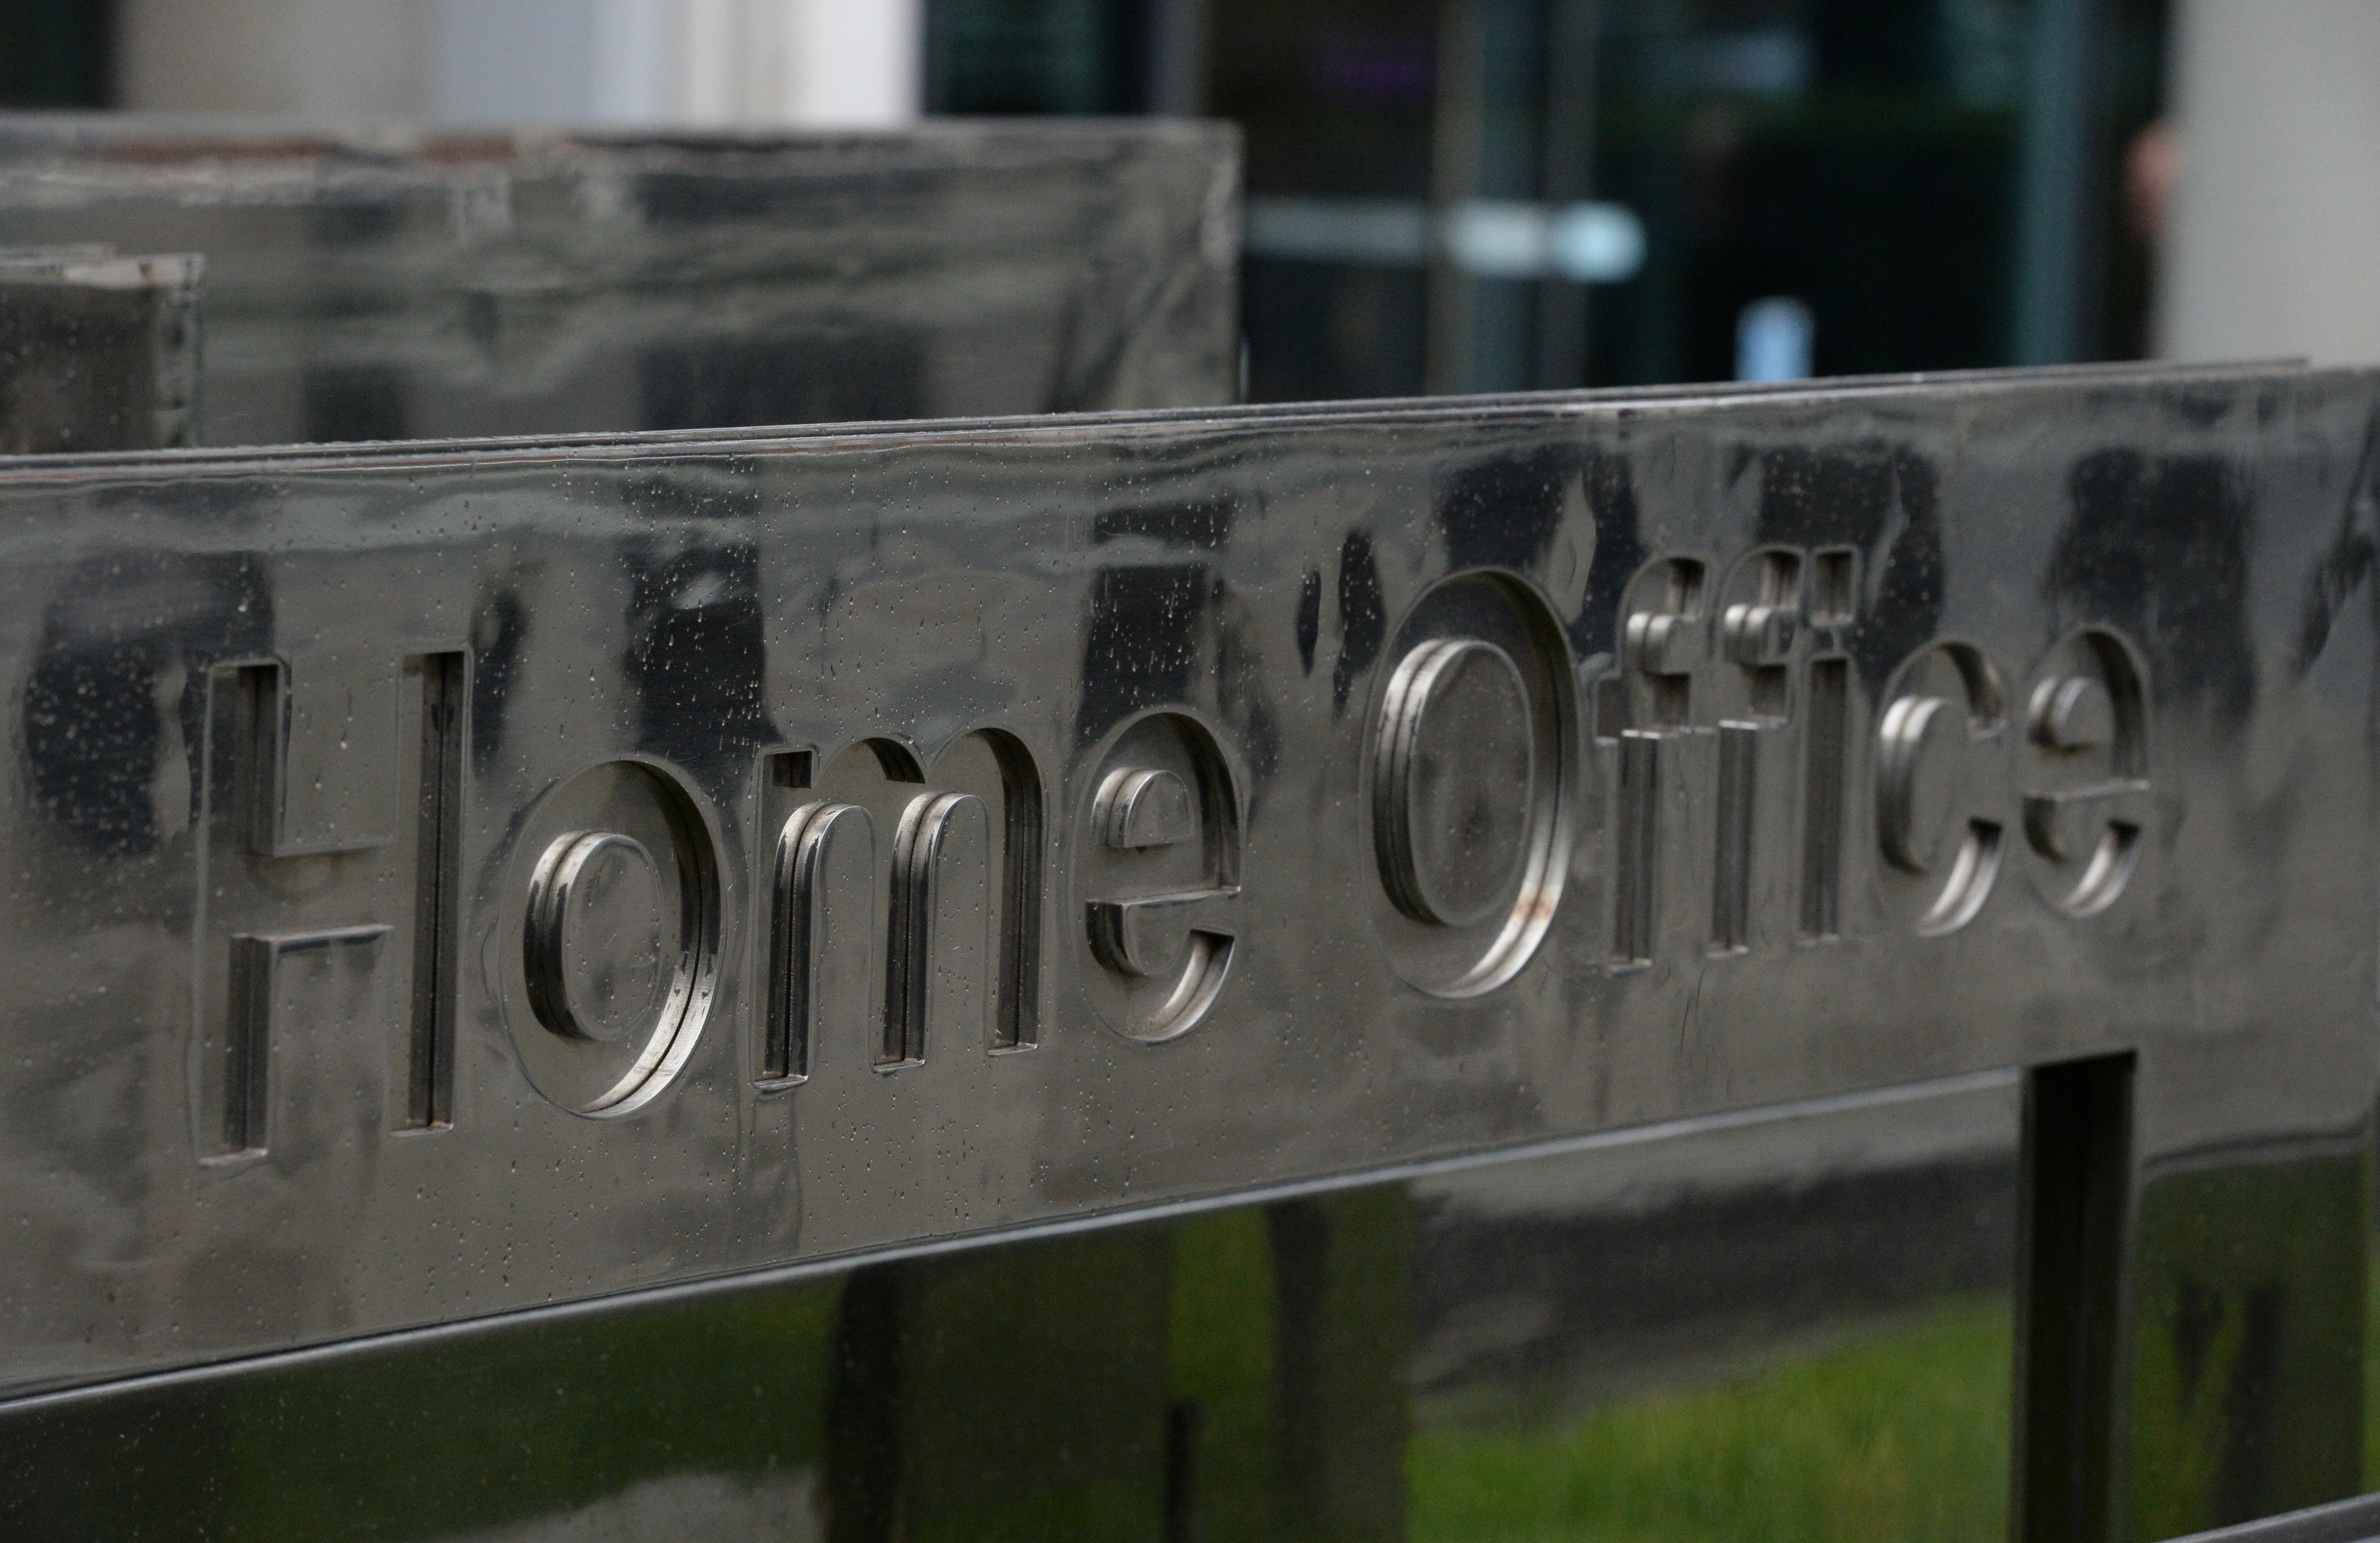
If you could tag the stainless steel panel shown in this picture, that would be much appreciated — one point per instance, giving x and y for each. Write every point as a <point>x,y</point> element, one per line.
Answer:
<point>1807,803</point>
<point>98,351</point>
<point>1793,1324</point>
<point>2355,1521</point>
<point>396,283</point>
<point>1793,1327</point>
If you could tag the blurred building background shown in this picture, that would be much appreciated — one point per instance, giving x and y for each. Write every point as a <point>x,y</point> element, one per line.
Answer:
<point>1485,195</point>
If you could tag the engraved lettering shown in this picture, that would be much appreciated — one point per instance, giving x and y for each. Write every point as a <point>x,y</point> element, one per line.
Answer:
<point>943,943</point>
<point>2086,770</point>
<point>1019,827</point>
<point>1635,847</point>
<point>280,980</point>
<point>1939,752</point>
<point>1458,773</point>
<point>823,938</point>
<point>1145,808</point>
<point>1664,645</point>
<point>1469,776</point>
<point>324,773</point>
<point>1825,760</point>
<point>597,941</point>
<point>937,942</point>
<point>617,921</point>
<point>300,762</point>
<point>1739,788</point>
<point>1157,925</point>
<point>1760,635</point>
<point>437,886</point>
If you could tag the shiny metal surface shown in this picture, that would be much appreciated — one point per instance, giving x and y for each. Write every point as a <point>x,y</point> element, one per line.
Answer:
<point>1785,1325</point>
<point>2355,1521</point>
<point>98,351</point>
<point>406,283</point>
<point>1164,730</point>
<point>1793,1327</point>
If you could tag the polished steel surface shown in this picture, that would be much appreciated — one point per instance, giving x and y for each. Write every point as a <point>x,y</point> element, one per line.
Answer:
<point>393,283</point>
<point>458,879</point>
<point>98,351</point>
<point>1789,1325</point>
<point>2355,1521</point>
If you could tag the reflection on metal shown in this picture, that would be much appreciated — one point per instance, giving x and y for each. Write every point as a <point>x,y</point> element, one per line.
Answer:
<point>97,351</point>
<point>2080,1133</point>
<point>1337,1364</point>
<point>1322,795</point>
<point>406,284</point>
<point>2355,1521</point>
<point>1726,1329</point>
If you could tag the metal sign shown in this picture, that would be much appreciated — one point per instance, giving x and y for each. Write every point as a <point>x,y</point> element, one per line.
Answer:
<point>387,283</point>
<point>98,351</point>
<point>458,879</point>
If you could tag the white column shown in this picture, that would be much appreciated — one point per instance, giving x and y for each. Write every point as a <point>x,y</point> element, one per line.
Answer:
<point>708,63</point>
<point>2272,246</point>
<point>633,80</point>
<point>856,64</point>
<point>315,58</point>
<point>757,63</point>
<point>502,62</point>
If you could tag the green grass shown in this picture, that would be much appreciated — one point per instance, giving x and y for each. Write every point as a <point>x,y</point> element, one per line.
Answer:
<point>1904,1434</point>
